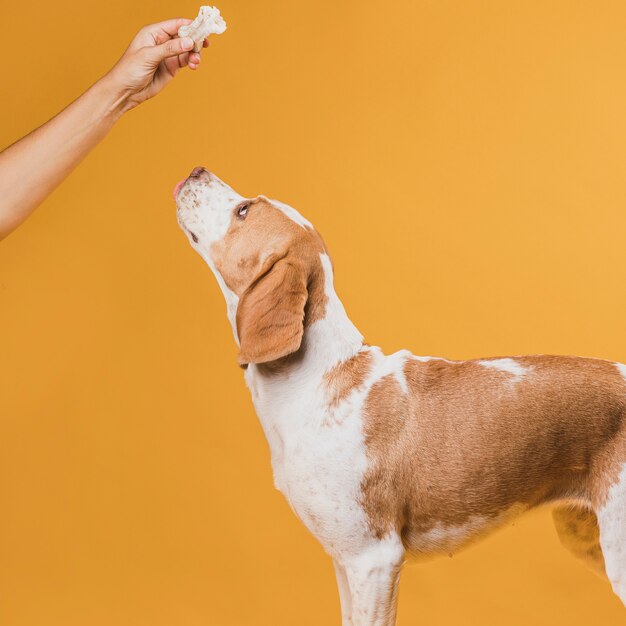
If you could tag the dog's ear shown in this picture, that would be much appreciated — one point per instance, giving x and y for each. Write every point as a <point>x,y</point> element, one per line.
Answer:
<point>270,314</point>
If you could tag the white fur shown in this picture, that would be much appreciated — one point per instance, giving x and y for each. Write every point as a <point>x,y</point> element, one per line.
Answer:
<point>622,369</point>
<point>612,519</point>
<point>508,365</point>
<point>394,365</point>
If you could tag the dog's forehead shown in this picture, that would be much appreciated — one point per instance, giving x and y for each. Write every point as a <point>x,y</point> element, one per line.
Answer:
<point>292,214</point>
<point>269,221</point>
<point>269,225</point>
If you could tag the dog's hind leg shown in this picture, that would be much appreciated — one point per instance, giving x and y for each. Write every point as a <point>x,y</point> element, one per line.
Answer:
<point>579,532</point>
<point>612,521</point>
<point>373,577</point>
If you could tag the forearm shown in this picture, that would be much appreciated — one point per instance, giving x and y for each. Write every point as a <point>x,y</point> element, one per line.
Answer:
<point>33,167</point>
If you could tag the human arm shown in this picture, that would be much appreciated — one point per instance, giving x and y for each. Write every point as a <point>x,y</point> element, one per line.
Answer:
<point>33,167</point>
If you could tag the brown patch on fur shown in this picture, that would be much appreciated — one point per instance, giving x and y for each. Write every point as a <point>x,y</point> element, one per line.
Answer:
<point>273,265</point>
<point>579,532</point>
<point>341,380</point>
<point>286,363</point>
<point>470,441</point>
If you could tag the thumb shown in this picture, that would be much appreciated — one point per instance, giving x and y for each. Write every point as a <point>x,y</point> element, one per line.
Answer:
<point>170,48</point>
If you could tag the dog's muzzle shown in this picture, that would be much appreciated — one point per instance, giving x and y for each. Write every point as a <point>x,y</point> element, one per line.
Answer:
<point>200,174</point>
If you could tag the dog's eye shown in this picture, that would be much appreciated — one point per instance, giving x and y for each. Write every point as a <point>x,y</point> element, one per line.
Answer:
<point>242,211</point>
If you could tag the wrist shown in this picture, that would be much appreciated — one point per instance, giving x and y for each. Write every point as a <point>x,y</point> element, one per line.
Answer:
<point>112,96</point>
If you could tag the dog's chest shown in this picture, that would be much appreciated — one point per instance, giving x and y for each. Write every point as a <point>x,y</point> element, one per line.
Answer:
<point>320,476</point>
<point>318,466</point>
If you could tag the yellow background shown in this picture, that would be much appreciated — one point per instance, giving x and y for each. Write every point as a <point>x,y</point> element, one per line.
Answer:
<point>465,164</point>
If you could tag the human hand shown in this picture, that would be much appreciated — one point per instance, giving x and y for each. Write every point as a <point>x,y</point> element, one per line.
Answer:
<point>151,61</point>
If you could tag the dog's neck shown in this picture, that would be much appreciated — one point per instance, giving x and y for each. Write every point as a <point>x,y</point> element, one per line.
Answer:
<point>326,342</point>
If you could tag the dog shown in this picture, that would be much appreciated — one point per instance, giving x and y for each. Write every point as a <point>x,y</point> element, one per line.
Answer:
<point>384,456</point>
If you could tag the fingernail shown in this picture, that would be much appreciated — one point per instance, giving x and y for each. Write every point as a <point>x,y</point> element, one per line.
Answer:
<point>186,43</point>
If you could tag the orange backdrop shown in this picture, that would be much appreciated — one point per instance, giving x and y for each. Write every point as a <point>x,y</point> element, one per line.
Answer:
<point>465,163</point>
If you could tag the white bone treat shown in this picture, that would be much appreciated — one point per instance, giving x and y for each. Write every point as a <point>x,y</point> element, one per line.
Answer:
<point>208,22</point>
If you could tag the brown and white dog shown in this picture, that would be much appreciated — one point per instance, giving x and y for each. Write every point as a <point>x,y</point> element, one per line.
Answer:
<point>382,456</point>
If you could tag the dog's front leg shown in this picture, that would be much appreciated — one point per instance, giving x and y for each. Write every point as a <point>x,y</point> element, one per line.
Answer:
<point>344,593</point>
<point>373,576</point>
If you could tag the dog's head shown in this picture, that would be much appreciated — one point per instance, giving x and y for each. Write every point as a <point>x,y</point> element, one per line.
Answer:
<point>266,258</point>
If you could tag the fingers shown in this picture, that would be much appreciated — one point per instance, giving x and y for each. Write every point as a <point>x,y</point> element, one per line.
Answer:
<point>194,60</point>
<point>169,26</point>
<point>161,32</point>
<point>173,47</point>
<point>191,59</point>
<point>158,33</point>
<point>183,60</point>
<point>187,59</point>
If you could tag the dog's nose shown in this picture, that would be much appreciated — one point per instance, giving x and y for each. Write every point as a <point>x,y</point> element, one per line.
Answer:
<point>200,173</point>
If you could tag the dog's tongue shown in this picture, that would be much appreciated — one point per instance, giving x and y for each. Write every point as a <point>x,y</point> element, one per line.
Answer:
<point>177,188</point>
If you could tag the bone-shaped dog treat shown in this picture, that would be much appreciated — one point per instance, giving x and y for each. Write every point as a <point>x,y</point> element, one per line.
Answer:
<point>209,21</point>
